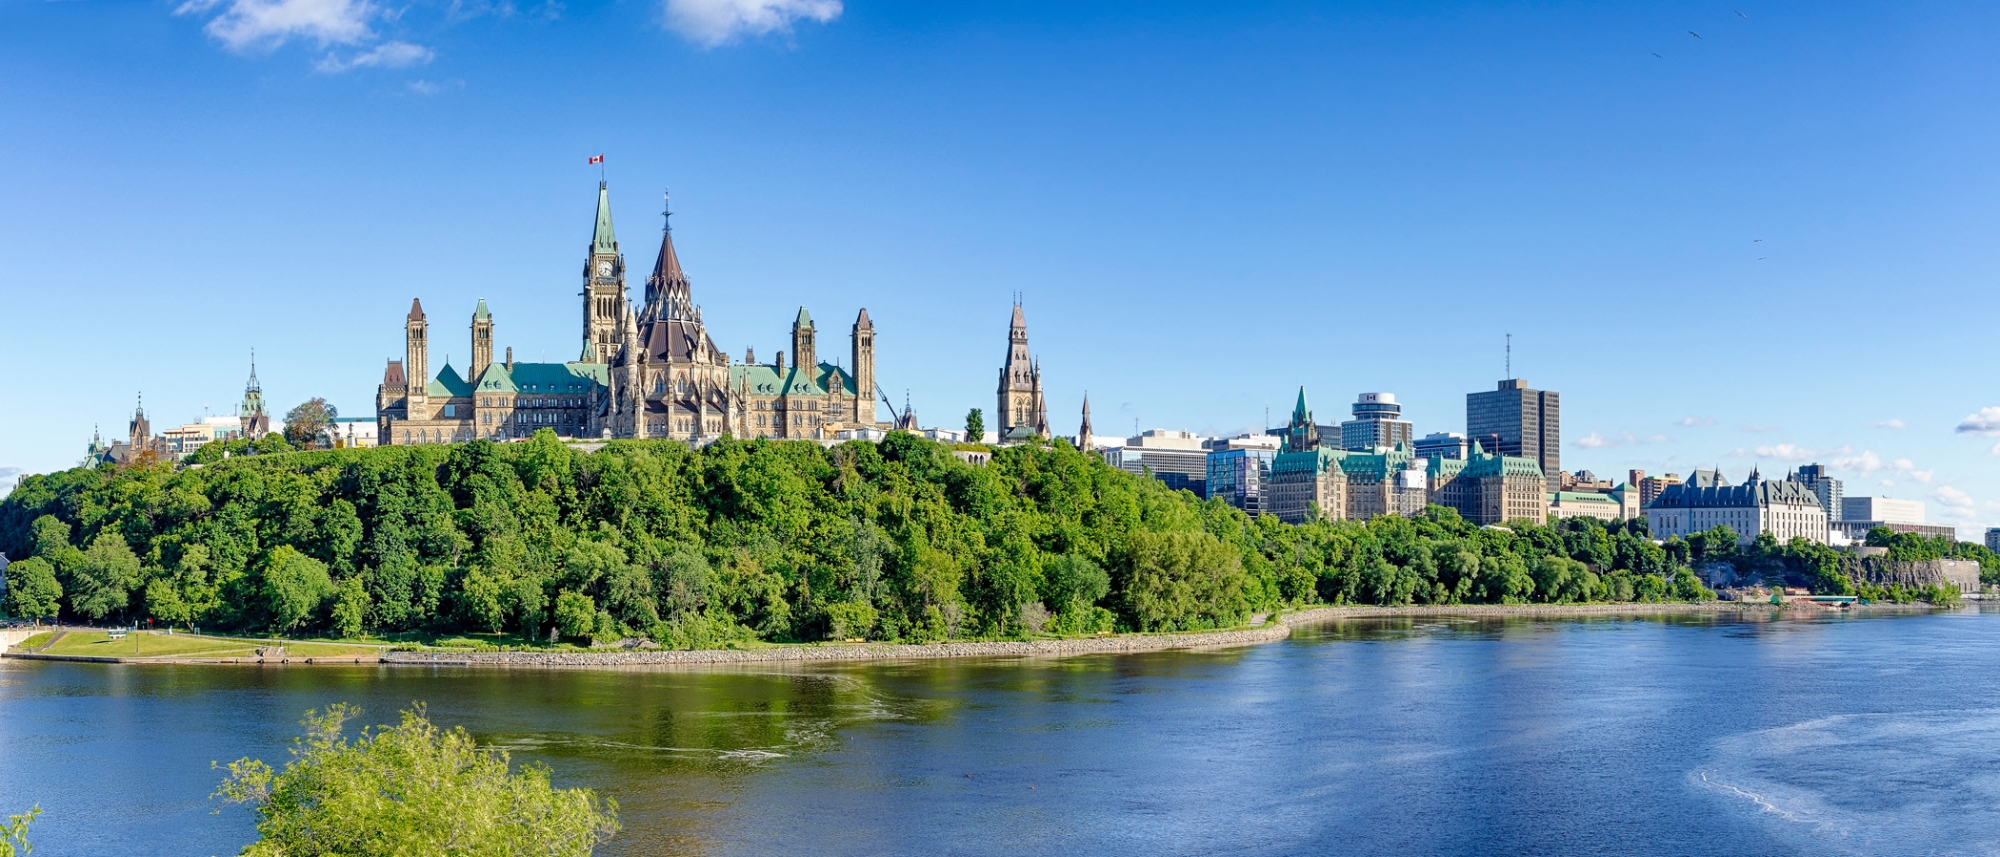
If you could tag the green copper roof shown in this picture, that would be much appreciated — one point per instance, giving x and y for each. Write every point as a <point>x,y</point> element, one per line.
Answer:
<point>543,378</point>
<point>602,240</point>
<point>1300,412</point>
<point>589,354</point>
<point>764,381</point>
<point>448,385</point>
<point>482,314</point>
<point>803,320</point>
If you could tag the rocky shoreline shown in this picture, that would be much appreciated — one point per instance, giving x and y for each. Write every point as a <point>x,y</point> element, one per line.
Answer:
<point>1271,630</point>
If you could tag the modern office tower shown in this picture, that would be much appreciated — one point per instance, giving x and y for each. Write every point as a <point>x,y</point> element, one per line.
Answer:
<point>1993,538</point>
<point>1377,424</point>
<point>1824,486</point>
<point>1239,468</point>
<point>1651,487</point>
<point>1517,421</point>
<point>1861,514</point>
<point>1176,458</point>
<point>1442,444</point>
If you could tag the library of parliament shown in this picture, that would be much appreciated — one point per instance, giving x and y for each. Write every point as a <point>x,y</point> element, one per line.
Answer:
<point>654,372</point>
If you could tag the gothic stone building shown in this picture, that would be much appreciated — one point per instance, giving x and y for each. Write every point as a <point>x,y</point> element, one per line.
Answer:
<point>650,371</point>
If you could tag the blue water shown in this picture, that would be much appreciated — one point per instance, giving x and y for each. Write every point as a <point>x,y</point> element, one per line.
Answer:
<point>1690,735</point>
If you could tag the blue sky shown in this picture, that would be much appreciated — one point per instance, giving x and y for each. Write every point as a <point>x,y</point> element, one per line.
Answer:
<point>1770,243</point>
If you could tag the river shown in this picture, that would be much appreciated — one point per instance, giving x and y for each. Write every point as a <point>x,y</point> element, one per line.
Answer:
<point>1691,734</point>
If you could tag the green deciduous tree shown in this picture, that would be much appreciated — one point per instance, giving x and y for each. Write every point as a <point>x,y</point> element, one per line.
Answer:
<point>412,788</point>
<point>576,615</point>
<point>104,578</point>
<point>1183,580</point>
<point>975,426</point>
<point>14,834</point>
<point>32,589</point>
<point>309,422</point>
<point>295,587</point>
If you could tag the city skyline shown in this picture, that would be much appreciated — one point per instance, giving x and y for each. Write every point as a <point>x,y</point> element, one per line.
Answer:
<point>1625,261</point>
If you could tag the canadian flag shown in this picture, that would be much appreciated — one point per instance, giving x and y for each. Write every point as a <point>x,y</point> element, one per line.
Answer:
<point>597,159</point>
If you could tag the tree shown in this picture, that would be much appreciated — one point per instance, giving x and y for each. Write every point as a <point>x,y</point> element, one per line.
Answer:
<point>32,589</point>
<point>309,423</point>
<point>576,615</point>
<point>1183,580</point>
<point>105,577</point>
<point>14,834</point>
<point>975,426</point>
<point>295,585</point>
<point>350,608</point>
<point>412,788</point>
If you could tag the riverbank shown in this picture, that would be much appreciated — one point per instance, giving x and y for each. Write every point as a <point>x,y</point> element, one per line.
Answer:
<point>1272,629</point>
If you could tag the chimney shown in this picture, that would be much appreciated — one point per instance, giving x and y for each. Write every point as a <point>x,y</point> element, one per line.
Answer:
<point>781,365</point>
<point>510,358</point>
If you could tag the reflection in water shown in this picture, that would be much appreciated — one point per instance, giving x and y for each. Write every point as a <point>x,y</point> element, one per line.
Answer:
<point>1702,734</point>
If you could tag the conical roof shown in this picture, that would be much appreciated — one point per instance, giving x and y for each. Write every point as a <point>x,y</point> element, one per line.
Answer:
<point>1300,411</point>
<point>861,321</point>
<point>602,239</point>
<point>482,313</point>
<point>804,320</point>
<point>416,310</point>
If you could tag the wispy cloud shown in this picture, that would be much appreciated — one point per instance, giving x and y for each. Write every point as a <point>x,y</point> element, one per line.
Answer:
<point>1891,423</point>
<point>384,55</point>
<point>1692,421</point>
<point>1595,440</point>
<point>1757,429</point>
<point>1788,452</point>
<point>1868,464</point>
<point>1986,422</point>
<point>264,25</point>
<point>1955,503</point>
<point>435,87</point>
<point>249,24</point>
<point>718,22</point>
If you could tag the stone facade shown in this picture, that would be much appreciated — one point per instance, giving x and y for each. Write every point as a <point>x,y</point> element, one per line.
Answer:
<point>1490,489</point>
<point>1020,409</point>
<point>1313,482</point>
<point>1784,508</point>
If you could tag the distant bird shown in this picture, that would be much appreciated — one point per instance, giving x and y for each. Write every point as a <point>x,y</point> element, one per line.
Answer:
<point>1696,35</point>
<point>1739,14</point>
<point>1657,54</point>
<point>1756,240</point>
<point>1762,258</point>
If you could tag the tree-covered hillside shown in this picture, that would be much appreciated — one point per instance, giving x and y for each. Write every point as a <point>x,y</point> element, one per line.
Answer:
<point>778,541</point>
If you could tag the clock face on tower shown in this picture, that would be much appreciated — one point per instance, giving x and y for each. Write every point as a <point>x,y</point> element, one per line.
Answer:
<point>604,269</point>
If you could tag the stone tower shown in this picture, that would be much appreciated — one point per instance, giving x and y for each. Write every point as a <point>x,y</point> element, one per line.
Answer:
<point>1020,381</point>
<point>1301,434</point>
<point>863,339</point>
<point>802,342</point>
<point>140,433</point>
<point>603,284</point>
<point>482,340</point>
<point>416,362</point>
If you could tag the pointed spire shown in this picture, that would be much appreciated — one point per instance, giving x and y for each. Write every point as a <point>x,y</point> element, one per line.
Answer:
<point>602,239</point>
<point>861,322</point>
<point>804,319</point>
<point>667,292</point>
<point>482,313</point>
<point>416,310</point>
<point>1300,411</point>
<point>253,386</point>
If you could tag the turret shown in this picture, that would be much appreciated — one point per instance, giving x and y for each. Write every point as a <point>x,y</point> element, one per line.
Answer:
<point>863,342</point>
<point>803,349</point>
<point>416,363</point>
<point>482,341</point>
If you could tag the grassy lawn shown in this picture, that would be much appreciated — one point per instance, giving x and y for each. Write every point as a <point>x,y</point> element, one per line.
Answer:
<point>34,641</point>
<point>149,644</point>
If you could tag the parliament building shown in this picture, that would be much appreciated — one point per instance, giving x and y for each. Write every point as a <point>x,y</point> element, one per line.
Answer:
<point>649,371</point>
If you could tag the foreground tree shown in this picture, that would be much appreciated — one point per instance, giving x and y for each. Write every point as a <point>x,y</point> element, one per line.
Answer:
<point>975,426</point>
<point>307,424</point>
<point>14,834</point>
<point>410,789</point>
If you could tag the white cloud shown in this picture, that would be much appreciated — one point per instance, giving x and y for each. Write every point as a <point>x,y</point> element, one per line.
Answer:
<point>1956,503</point>
<point>1868,464</point>
<point>1788,452</point>
<point>1892,423</point>
<point>1986,422</point>
<point>716,22</point>
<point>434,87</point>
<point>1624,438</point>
<point>1692,421</point>
<point>384,55</point>
<point>1758,429</point>
<point>248,24</point>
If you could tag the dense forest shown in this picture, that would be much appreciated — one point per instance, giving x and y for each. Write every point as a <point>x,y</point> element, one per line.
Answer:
<point>760,540</point>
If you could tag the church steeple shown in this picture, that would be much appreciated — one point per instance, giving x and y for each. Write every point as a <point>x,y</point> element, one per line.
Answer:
<point>668,294</point>
<point>251,414</point>
<point>603,240</point>
<point>1084,440</point>
<point>1020,381</point>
